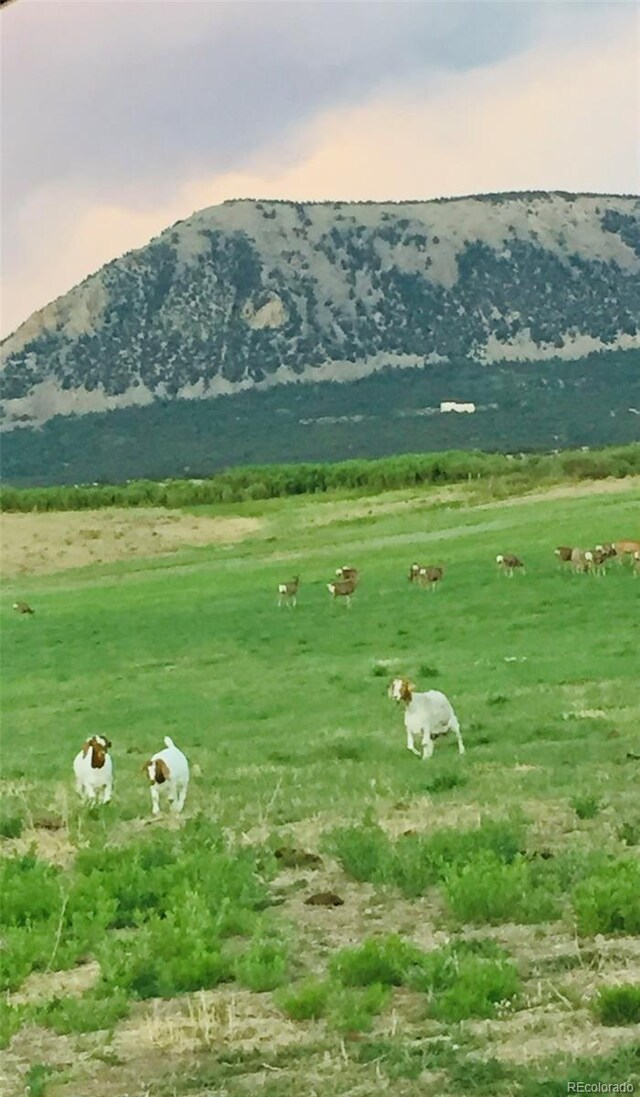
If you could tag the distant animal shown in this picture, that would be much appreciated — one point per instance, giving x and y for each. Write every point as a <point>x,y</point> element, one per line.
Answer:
<point>564,554</point>
<point>168,770</point>
<point>348,573</point>
<point>598,561</point>
<point>22,607</point>
<point>288,592</point>
<point>93,770</point>
<point>342,588</point>
<point>427,716</point>
<point>425,576</point>
<point>625,548</point>
<point>581,560</point>
<point>636,564</point>
<point>509,563</point>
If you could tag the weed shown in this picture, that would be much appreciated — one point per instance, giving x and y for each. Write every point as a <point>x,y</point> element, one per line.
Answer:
<point>352,1009</point>
<point>445,781</point>
<point>607,900</point>
<point>586,807</point>
<point>12,821</point>
<point>629,832</point>
<point>486,890</point>
<point>263,966</point>
<point>384,960</point>
<point>466,979</point>
<point>618,1005</point>
<point>364,851</point>
<point>90,1013</point>
<point>425,671</point>
<point>36,1079</point>
<point>306,1001</point>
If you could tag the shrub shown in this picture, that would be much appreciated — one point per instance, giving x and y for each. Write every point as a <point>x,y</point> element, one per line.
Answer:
<point>263,966</point>
<point>466,979</point>
<point>384,960</point>
<point>11,1020</point>
<point>586,807</point>
<point>486,890</point>
<point>415,862</point>
<point>306,1001</point>
<point>353,1009</point>
<point>607,900</point>
<point>11,822</point>
<point>364,851</point>
<point>89,1013</point>
<point>618,1005</point>
<point>170,955</point>
<point>629,832</point>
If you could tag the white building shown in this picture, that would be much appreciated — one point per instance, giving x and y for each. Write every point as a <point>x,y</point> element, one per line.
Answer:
<point>453,405</point>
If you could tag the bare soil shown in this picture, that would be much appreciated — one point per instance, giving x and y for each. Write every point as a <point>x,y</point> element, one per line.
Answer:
<point>35,543</point>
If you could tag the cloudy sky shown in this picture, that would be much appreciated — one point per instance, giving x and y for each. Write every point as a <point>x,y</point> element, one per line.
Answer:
<point>121,116</point>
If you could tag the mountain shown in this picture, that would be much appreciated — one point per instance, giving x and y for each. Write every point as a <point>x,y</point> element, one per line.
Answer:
<point>485,299</point>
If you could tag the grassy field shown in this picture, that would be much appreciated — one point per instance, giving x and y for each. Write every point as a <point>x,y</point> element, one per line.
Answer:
<point>484,937</point>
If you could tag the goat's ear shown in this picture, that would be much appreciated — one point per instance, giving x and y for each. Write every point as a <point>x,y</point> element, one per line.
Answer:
<point>107,743</point>
<point>162,771</point>
<point>86,747</point>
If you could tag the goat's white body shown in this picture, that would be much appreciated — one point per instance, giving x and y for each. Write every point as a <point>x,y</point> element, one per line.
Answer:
<point>93,784</point>
<point>428,716</point>
<point>177,782</point>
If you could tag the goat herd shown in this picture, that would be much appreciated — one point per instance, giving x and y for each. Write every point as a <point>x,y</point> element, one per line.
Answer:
<point>594,561</point>
<point>427,716</point>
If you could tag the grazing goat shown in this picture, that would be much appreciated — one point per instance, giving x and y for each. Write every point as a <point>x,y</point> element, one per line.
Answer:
<point>427,716</point>
<point>509,563</point>
<point>425,576</point>
<point>625,548</point>
<point>348,573</point>
<point>564,554</point>
<point>168,769</point>
<point>636,563</point>
<point>22,607</point>
<point>598,561</point>
<point>288,592</point>
<point>342,588</point>
<point>581,560</point>
<point>93,770</point>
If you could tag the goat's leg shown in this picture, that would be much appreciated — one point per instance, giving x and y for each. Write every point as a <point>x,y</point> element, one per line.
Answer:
<point>456,731</point>
<point>411,743</point>
<point>106,795</point>
<point>155,800</point>
<point>427,746</point>
<point>182,795</point>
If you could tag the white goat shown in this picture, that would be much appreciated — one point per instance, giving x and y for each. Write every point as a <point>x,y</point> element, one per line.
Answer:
<point>427,716</point>
<point>93,770</point>
<point>168,768</point>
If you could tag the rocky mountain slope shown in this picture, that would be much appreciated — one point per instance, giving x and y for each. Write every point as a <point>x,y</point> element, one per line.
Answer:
<point>254,294</point>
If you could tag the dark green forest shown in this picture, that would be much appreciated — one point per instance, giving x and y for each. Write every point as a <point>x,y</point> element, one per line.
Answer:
<point>521,406</point>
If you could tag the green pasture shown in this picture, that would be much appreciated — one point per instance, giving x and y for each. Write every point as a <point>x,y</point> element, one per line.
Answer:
<point>284,714</point>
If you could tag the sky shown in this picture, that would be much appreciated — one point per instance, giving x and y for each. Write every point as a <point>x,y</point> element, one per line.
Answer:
<point>120,117</point>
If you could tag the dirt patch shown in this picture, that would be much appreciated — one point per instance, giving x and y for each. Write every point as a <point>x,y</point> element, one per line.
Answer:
<point>568,491</point>
<point>36,543</point>
<point>41,986</point>
<point>53,846</point>
<point>535,1034</point>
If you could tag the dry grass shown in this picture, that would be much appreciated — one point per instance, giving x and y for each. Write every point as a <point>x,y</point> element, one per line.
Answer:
<point>36,543</point>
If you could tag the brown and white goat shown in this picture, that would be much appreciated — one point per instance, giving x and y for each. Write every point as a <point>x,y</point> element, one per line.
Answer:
<point>288,592</point>
<point>581,560</point>
<point>342,588</point>
<point>509,563</point>
<point>426,575</point>
<point>563,554</point>
<point>93,770</point>
<point>168,770</point>
<point>348,573</point>
<point>427,716</point>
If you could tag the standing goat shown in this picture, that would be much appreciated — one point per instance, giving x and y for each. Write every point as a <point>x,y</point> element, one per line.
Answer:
<point>288,592</point>
<point>581,560</point>
<point>425,576</point>
<point>342,588</point>
<point>427,716</point>
<point>509,564</point>
<point>93,770</point>
<point>348,573</point>
<point>168,770</point>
